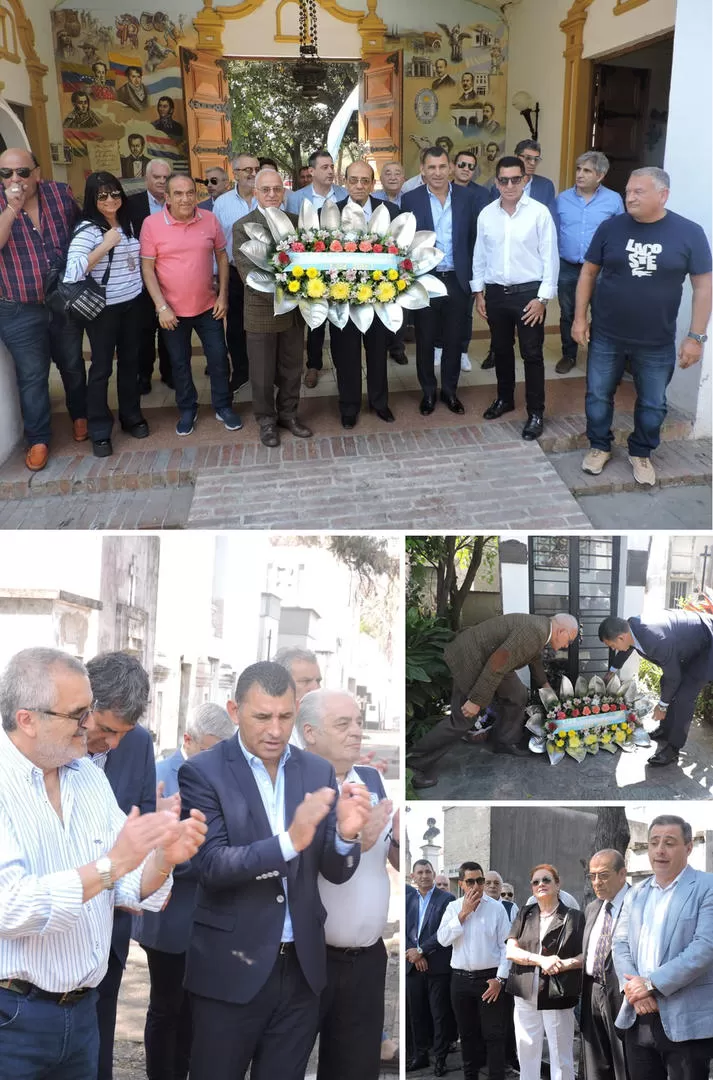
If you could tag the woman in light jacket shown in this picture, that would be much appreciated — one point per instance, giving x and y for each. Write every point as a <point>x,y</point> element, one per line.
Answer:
<point>106,227</point>
<point>545,945</point>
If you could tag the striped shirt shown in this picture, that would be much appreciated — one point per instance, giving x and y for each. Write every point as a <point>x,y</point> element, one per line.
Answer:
<point>48,936</point>
<point>28,253</point>
<point>124,281</point>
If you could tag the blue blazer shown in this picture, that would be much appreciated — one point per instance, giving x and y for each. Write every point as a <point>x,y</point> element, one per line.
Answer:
<point>169,930</point>
<point>684,977</point>
<point>466,204</point>
<point>680,643</point>
<point>439,958</point>
<point>240,904</point>
<point>296,198</point>
<point>131,772</point>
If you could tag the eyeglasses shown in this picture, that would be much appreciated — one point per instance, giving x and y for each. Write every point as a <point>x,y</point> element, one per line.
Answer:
<point>81,719</point>
<point>249,169</point>
<point>505,180</point>
<point>104,195</point>
<point>474,881</point>
<point>359,180</point>
<point>532,160</point>
<point>465,165</point>
<point>506,895</point>
<point>602,875</point>
<point>23,172</point>
<point>541,881</point>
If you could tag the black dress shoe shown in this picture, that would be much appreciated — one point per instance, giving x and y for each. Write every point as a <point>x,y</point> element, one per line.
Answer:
<point>420,1062</point>
<point>489,362</point>
<point>427,405</point>
<point>420,782</point>
<point>498,409</point>
<point>139,430</point>
<point>102,448</point>
<point>269,435</point>
<point>453,403</point>
<point>298,429</point>
<point>657,734</point>
<point>534,427</point>
<point>144,386</point>
<point>511,749</point>
<point>386,415</point>
<point>348,422</point>
<point>440,1068</point>
<point>665,755</point>
<point>399,357</point>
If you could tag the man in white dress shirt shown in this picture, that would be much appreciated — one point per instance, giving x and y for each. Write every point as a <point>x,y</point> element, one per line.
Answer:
<point>66,859</point>
<point>476,926</point>
<point>352,1004</point>
<point>515,272</point>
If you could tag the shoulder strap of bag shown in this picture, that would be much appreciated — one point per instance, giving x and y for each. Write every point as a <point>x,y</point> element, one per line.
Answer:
<point>105,275</point>
<point>83,228</point>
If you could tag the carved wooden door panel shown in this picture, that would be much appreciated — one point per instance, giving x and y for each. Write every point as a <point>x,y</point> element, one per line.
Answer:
<point>205,93</point>
<point>380,108</point>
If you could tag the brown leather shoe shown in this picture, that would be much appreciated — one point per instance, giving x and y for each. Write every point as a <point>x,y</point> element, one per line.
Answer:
<point>79,430</point>
<point>311,378</point>
<point>300,430</point>
<point>36,457</point>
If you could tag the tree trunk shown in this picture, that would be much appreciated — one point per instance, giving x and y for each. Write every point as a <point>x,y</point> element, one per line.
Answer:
<point>612,831</point>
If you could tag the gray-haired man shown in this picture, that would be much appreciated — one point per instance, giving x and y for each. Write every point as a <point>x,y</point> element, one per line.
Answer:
<point>580,211</point>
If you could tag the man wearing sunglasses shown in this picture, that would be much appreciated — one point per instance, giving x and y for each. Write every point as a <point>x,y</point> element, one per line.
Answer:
<point>36,222</point>
<point>218,182</point>
<point>476,927</point>
<point>515,272</point>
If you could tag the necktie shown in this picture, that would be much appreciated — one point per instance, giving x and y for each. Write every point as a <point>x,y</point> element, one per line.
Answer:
<point>603,945</point>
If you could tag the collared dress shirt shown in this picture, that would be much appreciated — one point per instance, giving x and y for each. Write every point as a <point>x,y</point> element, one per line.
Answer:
<point>579,219</point>
<point>616,905</point>
<point>423,902</point>
<point>443,225</point>
<point>183,255</point>
<point>154,204</point>
<point>479,943</point>
<point>229,208</point>
<point>48,936</point>
<point>658,901</point>
<point>511,249</point>
<point>29,252</point>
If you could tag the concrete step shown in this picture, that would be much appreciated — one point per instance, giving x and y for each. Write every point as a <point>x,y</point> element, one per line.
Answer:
<point>676,461</point>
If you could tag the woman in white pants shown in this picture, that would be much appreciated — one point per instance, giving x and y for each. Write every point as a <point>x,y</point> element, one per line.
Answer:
<point>545,945</point>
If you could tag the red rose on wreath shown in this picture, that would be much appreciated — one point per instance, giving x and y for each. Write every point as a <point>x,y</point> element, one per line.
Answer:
<point>551,725</point>
<point>407,265</point>
<point>575,712</point>
<point>297,246</point>
<point>350,246</point>
<point>631,717</point>
<point>335,246</point>
<point>586,711</point>
<point>378,248</point>
<point>392,250</point>
<point>365,245</point>
<point>605,708</point>
<point>283,258</point>
<point>595,708</point>
<point>320,246</point>
<point>561,715</point>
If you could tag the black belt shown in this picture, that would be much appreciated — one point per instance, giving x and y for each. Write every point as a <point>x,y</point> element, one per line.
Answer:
<point>443,273</point>
<point>27,989</point>
<point>350,950</point>
<point>486,973</point>
<point>524,286</point>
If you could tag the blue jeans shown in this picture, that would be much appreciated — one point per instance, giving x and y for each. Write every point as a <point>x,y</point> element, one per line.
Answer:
<point>44,1039</point>
<point>212,337</point>
<point>652,368</point>
<point>566,289</point>
<point>24,328</point>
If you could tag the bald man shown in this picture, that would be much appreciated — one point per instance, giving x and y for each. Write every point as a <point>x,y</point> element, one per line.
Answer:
<point>483,660</point>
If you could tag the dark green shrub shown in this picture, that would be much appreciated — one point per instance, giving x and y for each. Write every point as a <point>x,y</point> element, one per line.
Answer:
<point>428,680</point>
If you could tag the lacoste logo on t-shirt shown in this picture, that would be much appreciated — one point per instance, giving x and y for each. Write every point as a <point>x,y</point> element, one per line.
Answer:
<point>642,258</point>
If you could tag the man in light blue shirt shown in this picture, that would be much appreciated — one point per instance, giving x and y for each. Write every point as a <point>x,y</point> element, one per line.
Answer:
<point>580,210</point>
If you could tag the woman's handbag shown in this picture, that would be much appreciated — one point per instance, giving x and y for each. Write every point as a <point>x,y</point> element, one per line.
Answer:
<point>82,299</point>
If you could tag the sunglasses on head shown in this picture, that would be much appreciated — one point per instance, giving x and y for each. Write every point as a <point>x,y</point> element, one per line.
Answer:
<point>470,166</point>
<point>22,172</point>
<point>470,881</point>
<point>507,895</point>
<point>541,881</point>
<point>104,195</point>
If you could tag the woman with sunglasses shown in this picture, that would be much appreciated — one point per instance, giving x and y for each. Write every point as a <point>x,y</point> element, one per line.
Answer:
<point>106,227</point>
<point>545,945</point>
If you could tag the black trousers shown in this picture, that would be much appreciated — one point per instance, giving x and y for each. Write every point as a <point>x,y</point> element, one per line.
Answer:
<point>651,1055</point>
<point>273,1034</point>
<point>315,346</point>
<point>505,318</point>
<point>482,1025</point>
<point>346,353</point>
<point>108,990</point>
<point>441,322</point>
<point>602,1046</point>
<point>429,1002</point>
<point>352,1014</point>
<point>235,330</point>
<point>116,330</point>
<point>167,1034</point>
<point>148,323</point>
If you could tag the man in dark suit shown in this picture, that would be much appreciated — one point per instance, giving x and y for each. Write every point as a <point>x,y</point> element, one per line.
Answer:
<point>274,342</point>
<point>123,749</point>
<point>483,660</point>
<point>164,935</point>
<point>256,961</point>
<point>602,1047</point>
<point>428,971</point>
<point>452,213</point>
<point>141,205</point>
<point>681,644</point>
<point>346,343</point>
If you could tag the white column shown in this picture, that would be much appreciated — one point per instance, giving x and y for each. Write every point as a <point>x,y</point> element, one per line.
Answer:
<point>688,161</point>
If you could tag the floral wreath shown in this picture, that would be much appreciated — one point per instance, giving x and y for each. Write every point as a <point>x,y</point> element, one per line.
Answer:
<point>341,267</point>
<point>588,717</point>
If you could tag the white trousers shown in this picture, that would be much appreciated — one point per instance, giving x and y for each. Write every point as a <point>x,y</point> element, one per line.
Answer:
<point>531,1025</point>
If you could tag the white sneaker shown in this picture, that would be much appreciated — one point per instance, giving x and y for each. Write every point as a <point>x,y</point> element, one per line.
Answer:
<point>465,364</point>
<point>644,472</point>
<point>437,354</point>
<point>594,461</point>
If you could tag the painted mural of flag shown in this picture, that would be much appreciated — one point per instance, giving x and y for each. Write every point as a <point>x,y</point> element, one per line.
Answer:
<point>162,146</point>
<point>78,139</point>
<point>74,77</point>
<point>160,82</point>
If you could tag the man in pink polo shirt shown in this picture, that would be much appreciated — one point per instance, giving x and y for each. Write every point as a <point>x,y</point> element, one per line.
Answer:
<point>178,245</point>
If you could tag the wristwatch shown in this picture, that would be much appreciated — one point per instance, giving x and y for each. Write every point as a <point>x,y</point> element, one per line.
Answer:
<point>541,300</point>
<point>662,707</point>
<point>700,338</point>
<point>419,950</point>
<point>501,980</point>
<point>103,868</point>
<point>649,985</point>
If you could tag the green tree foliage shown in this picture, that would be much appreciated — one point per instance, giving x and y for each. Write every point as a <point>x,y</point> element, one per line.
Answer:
<point>269,116</point>
<point>449,564</point>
